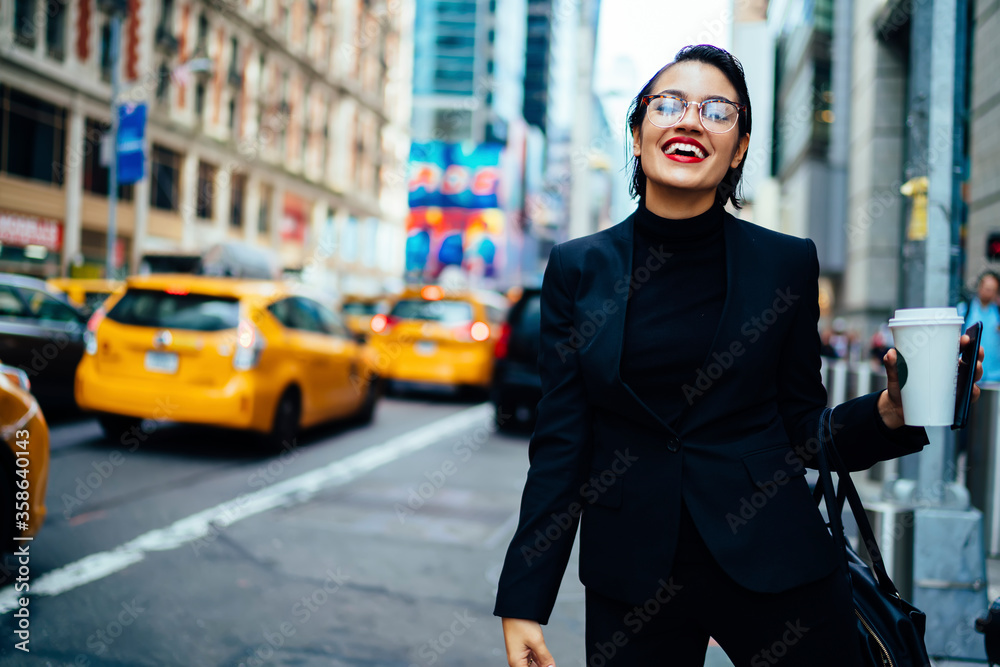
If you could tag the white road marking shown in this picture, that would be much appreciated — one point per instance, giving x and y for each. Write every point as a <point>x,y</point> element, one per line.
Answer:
<point>290,492</point>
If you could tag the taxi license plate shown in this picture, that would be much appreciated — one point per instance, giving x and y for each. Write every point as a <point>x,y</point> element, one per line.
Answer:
<point>425,347</point>
<point>161,362</point>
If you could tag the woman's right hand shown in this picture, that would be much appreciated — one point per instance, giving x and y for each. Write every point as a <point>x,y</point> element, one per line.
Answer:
<point>525,644</point>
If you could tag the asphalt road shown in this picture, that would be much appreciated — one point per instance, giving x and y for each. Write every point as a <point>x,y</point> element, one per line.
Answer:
<point>370,545</point>
<point>366,545</point>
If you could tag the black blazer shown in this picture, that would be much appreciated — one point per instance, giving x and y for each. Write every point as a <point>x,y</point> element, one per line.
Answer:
<point>735,455</point>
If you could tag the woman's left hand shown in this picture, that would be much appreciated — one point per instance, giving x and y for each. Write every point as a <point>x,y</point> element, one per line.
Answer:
<point>890,402</point>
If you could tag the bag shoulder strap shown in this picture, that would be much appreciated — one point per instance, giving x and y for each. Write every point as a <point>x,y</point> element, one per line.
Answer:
<point>829,460</point>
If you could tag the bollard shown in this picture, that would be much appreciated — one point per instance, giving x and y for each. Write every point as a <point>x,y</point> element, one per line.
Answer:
<point>893,528</point>
<point>983,462</point>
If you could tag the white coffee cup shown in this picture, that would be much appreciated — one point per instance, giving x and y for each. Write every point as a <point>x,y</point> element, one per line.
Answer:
<point>927,348</point>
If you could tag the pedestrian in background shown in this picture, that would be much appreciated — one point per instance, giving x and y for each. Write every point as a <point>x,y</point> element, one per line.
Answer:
<point>680,366</point>
<point>983,308</point>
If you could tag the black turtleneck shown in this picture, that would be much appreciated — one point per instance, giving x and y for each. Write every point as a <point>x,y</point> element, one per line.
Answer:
<point>679,273</point>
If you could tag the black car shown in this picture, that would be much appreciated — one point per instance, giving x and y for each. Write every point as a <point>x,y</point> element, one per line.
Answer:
<point>42,334</point>
<point>517,386</point>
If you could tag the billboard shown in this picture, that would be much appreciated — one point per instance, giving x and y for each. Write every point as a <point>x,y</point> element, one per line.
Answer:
<point>454,208</point>
<point>452,176</point>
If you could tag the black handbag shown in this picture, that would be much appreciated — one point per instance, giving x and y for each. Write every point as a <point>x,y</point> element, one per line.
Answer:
<point>890,629</point>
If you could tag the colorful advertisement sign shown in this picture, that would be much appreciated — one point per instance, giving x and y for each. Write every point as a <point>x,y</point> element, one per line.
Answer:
<point>469,238</point>
<point>454,216</point>
<point>450,176</point>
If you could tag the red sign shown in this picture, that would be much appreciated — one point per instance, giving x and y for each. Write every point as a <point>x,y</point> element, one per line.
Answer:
<point>18,229</point>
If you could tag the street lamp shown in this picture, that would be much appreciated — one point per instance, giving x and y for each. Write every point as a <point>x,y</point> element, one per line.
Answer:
<point>116,10</point>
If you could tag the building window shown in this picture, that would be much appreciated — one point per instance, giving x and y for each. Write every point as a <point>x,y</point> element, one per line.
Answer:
<point>106,52</point>
<point>55,30</point>
<point>95,175</point>
<point>199,101</point>
<point>32,137</point>
<point>234,62</point>
<point>163,83</point>
<point>206,190</point>
<point>359,161</point>
<point>238,186</point>
<point>164,186</point>
<point>202,43</point>
<point>263,210</point>
<point>167,15</point>
<point>24,23</point>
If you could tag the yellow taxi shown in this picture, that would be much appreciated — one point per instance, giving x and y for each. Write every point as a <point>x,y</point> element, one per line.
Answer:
<point>434,338</point>
<point>24,459</point>
<point>86,293</point>
<point>358,312</point>
<point>256,355</point>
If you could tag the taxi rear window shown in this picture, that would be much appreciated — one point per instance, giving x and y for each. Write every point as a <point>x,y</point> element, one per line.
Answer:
<point>196,312</point>
<point>360,308</point>
<point>447,312</point>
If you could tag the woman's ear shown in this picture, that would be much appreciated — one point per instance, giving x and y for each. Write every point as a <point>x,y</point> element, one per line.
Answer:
<point>741,149</point>
<point>636,141</point>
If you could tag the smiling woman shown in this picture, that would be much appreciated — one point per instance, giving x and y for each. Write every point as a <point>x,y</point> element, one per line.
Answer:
<point>662,567</point>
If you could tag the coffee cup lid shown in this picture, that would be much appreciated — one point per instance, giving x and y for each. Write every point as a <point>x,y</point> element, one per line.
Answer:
<point>925,316</point>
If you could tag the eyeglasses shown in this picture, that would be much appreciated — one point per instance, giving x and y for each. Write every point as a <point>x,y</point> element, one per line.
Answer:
<point>717,116</point>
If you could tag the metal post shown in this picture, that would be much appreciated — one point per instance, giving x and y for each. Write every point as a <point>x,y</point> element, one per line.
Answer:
<point>116,32</point>
<point>949,567</point>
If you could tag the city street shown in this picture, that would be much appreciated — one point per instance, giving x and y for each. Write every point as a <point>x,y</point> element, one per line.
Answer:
<point>377,545</point>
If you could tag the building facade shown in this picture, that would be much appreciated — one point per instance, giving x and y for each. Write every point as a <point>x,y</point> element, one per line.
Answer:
<point>282,124</point>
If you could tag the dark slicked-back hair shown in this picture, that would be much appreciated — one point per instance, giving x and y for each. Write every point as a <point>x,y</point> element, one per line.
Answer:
<point>725,62</point>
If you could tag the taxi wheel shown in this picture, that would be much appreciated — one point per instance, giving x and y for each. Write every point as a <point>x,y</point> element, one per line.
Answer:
<point>366,412</point>
<point>116,428</point>
<point>285,426</point>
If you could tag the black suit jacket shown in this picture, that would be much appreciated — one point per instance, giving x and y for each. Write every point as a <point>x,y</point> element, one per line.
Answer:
<point>736,455</point>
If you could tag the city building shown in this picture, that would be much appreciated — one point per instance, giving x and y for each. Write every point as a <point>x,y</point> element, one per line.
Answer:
<point>537,63</point>
<point>983,189</point>
<point>803,114</point>
<point>279,123</point>
<point>753,45</point>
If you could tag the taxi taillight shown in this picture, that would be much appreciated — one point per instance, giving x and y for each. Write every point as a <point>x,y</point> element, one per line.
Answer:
<point>479,331</point>
<point>473,331</point>
<point>90,335</point>
<point>503,342</point>
<point>249,345</point>
<point>383,324</point>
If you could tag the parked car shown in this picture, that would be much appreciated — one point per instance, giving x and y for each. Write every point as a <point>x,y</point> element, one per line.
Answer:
<point>261,356</point>
<point>87,294</point>
<point>42,334</point>
<point>358,312</point>
<point>435,340</point>
<point>517,386</point>
<point>24,459</point>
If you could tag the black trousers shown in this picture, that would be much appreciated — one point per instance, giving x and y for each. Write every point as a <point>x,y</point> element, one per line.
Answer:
<point>808,626</point>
